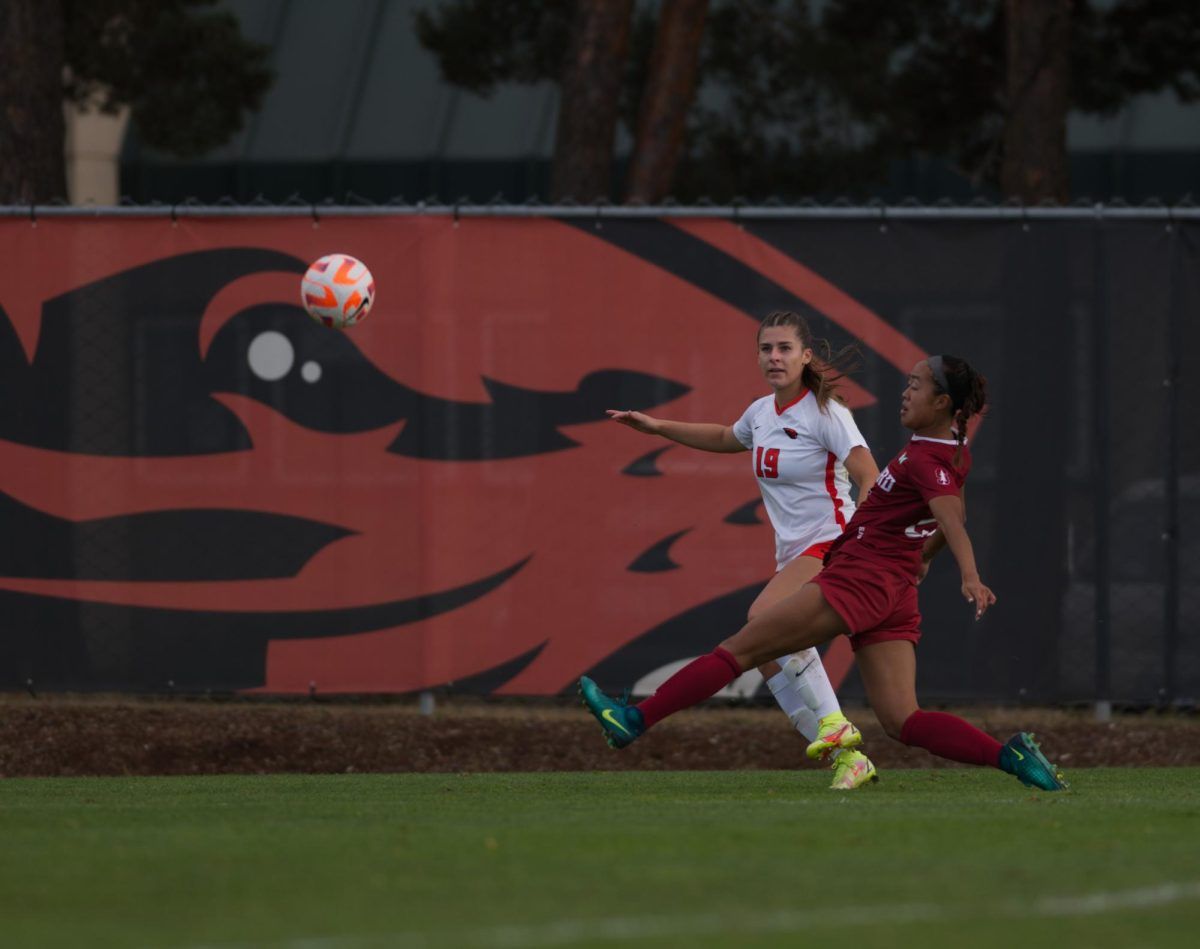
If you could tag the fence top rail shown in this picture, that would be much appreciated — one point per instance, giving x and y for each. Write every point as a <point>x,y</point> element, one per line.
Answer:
<point>602,211</point>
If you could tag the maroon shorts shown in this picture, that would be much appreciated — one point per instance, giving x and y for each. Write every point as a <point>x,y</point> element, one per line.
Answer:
<point>877,605</point>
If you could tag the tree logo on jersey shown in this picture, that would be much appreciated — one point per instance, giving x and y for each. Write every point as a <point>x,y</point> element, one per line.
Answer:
<point>922,529</point>
<point>942,477</point>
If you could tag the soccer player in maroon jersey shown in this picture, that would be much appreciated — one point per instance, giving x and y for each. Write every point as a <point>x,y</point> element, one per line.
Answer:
<point>867,591</point>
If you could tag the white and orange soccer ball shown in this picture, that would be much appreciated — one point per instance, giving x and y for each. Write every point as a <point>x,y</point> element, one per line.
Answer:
<point>338,290</point>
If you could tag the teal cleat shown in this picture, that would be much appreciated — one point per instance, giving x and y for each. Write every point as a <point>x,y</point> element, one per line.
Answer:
<point>1021,757</point>
<point>621,723</point>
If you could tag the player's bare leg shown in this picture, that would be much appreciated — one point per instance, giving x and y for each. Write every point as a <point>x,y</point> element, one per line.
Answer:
<point>802,620</point>
<point>799,621</point>
<point>786,582</point>
<point>802,688</point>
<point>889,674</point>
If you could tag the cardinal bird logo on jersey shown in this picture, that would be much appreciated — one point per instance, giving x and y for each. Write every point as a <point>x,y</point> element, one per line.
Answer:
<point>204,489</point>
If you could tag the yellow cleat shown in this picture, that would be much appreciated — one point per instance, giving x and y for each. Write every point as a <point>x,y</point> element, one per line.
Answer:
<point>834,731</point>
<point>852,769</point>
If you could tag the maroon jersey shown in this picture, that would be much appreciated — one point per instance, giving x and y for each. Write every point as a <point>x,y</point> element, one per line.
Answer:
<point>890,527</point>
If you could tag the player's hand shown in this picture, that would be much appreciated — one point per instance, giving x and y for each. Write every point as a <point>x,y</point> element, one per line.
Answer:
<point>635,420</point>
<point>978,593</point>
<point>922,571</point>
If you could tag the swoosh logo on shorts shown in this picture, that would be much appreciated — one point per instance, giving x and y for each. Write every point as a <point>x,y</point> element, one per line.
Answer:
<point>608,716</point>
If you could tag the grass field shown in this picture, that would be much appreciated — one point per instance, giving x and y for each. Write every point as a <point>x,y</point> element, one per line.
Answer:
<point>925,858</point>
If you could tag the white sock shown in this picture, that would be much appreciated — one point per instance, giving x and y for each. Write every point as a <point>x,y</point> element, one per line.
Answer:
<point>810,682</point>
<point>793,706</point>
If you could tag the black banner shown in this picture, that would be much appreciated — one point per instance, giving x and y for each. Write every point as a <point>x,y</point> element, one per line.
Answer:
<point>202,489</point>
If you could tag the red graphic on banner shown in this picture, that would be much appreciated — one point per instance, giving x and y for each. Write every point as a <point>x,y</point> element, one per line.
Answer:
<point>450,511</point>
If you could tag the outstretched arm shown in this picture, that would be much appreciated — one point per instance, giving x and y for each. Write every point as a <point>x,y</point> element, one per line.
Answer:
<point>707,436</point>
<point>951,518</point>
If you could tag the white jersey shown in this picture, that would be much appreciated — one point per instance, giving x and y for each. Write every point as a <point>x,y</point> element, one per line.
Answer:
<point>798,454</point>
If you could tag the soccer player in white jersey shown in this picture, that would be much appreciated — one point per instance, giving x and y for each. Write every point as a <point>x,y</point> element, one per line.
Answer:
<point>804,449</point>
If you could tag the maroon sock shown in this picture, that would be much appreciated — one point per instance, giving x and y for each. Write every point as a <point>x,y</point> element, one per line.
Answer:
<point>695,682</point>
<point>948,736</point>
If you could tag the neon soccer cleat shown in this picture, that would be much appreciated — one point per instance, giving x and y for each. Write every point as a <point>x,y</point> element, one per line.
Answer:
<point>1022,757</point>
<point>852,769</point>
<point>621,723</point>
<point>834,731</point>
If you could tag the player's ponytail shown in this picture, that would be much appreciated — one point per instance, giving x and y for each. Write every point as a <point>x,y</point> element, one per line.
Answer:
<point>828,368</point>
<point>954,376</point>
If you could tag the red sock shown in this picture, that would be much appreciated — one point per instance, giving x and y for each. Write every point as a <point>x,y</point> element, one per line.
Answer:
<point>698,680</point>
<point>948,736</point>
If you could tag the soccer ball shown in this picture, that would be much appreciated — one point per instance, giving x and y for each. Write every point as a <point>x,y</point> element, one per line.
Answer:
<point>337,290</point>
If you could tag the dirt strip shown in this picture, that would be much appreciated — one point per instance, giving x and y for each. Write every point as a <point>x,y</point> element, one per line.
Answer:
<point>71,735</point>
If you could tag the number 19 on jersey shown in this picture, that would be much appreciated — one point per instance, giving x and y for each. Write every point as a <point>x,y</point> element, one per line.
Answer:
<point>766,462</point>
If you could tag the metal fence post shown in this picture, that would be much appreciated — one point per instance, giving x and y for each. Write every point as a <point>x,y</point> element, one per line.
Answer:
<point>1101,478</point>
<point>1171,480</point>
